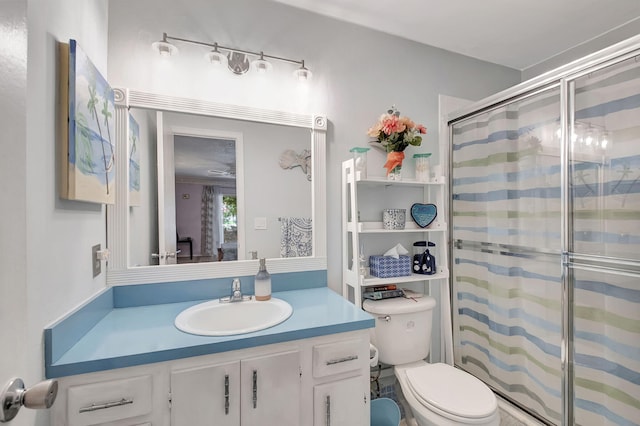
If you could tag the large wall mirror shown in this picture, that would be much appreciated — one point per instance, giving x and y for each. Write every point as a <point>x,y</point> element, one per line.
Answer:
<point>207,188</point>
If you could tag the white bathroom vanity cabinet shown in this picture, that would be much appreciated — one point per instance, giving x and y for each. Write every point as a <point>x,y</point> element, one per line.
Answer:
<point>317,381</point>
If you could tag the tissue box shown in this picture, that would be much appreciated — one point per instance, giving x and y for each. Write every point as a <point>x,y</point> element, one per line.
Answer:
<point>388,267</point>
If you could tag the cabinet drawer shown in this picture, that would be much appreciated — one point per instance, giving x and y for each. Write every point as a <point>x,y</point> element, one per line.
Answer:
<point>338,357</point>
<point>109,401</point>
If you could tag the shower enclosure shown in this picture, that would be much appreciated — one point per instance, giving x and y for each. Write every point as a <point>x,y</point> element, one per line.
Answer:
<point>545,214</point>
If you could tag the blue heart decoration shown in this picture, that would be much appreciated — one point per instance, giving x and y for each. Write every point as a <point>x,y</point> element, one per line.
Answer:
<point>424,214</point>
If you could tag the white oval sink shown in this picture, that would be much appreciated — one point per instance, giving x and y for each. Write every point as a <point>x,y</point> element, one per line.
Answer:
<point>224,319</point>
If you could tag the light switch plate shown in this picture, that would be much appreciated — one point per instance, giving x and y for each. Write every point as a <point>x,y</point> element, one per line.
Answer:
<point>95,260</point>
<point>260,223</point>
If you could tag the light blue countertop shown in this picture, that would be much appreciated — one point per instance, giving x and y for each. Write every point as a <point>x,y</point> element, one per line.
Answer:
<point>129,336</point>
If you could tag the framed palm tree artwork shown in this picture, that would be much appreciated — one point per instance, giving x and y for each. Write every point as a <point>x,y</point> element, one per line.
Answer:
<point>87,129</point>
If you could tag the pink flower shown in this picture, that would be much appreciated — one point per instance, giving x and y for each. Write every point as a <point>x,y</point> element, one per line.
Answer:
<point>421,129</point>
<point>391,124</point>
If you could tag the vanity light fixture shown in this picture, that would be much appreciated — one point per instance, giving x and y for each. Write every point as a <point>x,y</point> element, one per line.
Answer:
<point>237,60</point>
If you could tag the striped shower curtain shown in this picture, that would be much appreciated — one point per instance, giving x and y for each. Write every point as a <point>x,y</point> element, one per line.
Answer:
<point>506,271</point>
<point>507,263</point>
<point>606,220</point>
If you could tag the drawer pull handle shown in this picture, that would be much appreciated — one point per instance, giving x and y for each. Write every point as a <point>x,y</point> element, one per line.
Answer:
<point>345,359</point>
<point>95,407</point>
<point>226,394</point>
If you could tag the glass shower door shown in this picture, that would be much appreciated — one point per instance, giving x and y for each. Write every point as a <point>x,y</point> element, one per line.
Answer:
<point>605,200</point>
<point>506,264</point>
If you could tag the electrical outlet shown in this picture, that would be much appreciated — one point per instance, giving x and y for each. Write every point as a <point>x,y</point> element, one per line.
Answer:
<point>95,260</point>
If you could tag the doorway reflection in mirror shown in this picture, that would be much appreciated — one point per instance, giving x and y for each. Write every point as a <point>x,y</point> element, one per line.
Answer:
<point>206,168</point>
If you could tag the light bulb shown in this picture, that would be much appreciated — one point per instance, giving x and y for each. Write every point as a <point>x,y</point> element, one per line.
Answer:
<point>215,57</point>
<point>302,73</point>
<point>589,139</point>
<point>164,48</point>
<point>261,66</point>
<point>605,140</point>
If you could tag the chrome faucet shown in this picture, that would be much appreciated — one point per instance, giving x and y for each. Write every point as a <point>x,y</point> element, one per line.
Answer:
<point>236,293</point>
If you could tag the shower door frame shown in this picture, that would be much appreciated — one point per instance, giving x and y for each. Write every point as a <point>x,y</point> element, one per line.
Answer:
<point>565,78</point>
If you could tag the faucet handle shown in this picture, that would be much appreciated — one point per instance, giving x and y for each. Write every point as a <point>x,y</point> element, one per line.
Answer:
<point>235,286</point>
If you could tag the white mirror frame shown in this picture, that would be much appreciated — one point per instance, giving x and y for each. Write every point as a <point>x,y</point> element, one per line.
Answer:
<point>118,270</point>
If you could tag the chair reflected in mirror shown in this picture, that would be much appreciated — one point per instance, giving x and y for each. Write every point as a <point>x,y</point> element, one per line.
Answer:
<point>185,240</point>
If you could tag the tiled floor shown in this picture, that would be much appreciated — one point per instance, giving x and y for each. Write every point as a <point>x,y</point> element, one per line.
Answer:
<point>508,420</point>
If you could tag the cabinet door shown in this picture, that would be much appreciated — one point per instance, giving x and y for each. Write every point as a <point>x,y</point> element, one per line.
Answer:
<point>206,395</point>
<point>343,402</point>
<point>271,390</point>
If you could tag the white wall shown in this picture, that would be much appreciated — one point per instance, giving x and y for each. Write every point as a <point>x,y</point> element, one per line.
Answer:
<point>13,198</point>
<point>46,242</point>
<point>358,73</point>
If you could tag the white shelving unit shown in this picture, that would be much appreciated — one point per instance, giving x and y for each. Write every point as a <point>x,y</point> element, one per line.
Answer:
<point>362,238</point>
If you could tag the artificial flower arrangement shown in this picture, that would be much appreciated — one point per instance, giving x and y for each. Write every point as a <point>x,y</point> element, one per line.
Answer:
<point>395,133</point>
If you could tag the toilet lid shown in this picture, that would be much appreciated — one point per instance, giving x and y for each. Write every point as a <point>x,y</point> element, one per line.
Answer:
<point>451,390</point>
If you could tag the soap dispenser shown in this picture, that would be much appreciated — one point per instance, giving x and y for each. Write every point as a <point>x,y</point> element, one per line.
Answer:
<point>263,282</point>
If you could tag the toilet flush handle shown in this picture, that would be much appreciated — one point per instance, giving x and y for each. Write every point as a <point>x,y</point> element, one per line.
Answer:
<point>386,318</point>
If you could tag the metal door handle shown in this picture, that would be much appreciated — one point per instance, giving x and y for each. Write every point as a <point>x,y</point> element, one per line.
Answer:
<point>226,394</point>
<point>255,388</point>
<point>14,395</point>
<point>328,407</point>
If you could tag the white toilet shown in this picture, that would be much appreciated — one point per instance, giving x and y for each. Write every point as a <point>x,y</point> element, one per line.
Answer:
<point>438,394</point>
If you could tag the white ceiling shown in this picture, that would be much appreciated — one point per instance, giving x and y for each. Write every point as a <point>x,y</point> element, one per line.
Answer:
<point>514,33</point>
<point>205,159</point>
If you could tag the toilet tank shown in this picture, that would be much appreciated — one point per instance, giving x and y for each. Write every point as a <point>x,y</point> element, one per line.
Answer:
<point>403,328</point>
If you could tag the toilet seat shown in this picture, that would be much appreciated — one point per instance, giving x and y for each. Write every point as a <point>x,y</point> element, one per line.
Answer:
<point>451,392</point>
